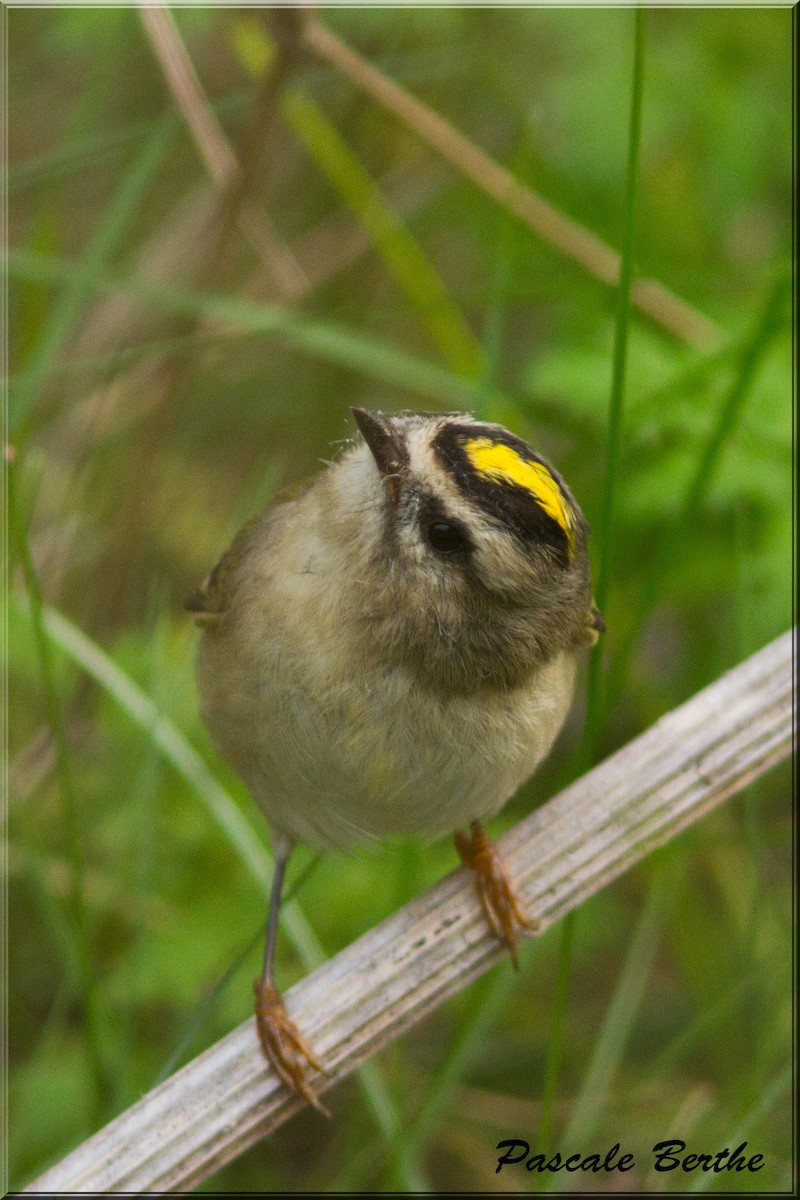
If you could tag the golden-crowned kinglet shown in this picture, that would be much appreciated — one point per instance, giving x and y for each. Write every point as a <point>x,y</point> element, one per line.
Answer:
<point>394,651</point>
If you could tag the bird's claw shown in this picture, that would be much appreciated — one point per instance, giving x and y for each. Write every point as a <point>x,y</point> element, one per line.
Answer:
<point>283,1045</point>
<point>496,891</point>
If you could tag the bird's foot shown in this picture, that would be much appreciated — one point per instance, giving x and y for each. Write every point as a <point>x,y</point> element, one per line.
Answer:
<point>496,891</point>
<point>283,1045</point>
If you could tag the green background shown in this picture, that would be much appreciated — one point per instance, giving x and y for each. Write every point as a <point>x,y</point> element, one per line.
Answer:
<point>163,386</point>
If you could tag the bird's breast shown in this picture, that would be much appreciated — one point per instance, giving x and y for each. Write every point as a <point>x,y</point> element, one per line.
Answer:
<point>372,757</point>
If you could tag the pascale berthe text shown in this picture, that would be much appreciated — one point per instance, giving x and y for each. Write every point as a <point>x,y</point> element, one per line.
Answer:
<point>668,1156</point>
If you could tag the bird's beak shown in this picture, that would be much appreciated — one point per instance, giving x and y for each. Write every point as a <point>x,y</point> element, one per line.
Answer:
<point>386,446</point>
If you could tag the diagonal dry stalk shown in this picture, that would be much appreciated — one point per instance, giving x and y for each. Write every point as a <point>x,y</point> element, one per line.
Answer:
<point>228,174</point>
<point>214,1108</point>
<point>565,235</point>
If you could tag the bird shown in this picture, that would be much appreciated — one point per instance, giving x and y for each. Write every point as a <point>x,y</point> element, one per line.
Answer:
<point>394,651</point>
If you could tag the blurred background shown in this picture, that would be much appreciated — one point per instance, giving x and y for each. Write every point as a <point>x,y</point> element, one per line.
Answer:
<point>221,238</point>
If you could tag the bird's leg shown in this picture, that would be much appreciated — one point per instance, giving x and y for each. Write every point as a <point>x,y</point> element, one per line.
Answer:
<point>495,888</point>
<point>283,1045</point>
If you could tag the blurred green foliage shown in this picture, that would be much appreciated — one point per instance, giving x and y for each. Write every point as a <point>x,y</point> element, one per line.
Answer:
<point>163,387</point>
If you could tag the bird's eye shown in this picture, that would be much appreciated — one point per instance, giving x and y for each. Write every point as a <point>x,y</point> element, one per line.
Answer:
<point>445,537</point>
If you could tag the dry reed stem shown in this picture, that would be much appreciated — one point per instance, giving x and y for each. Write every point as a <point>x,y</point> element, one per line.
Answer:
<point>219,1104</point>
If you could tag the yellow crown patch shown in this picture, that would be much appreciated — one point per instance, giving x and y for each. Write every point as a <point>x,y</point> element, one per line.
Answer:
<point>504,465</point>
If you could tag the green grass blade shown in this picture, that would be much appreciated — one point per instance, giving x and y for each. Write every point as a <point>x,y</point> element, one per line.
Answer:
<point>605,527</point>
<point>326,341</point>
<point>400,251</point>
<point>122,357</point>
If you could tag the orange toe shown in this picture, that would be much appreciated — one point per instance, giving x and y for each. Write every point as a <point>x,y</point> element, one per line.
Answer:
<point>283,1045</point>
<point>494,887</point>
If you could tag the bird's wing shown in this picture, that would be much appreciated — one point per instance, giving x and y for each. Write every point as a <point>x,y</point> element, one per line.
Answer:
<point>212,599</point>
